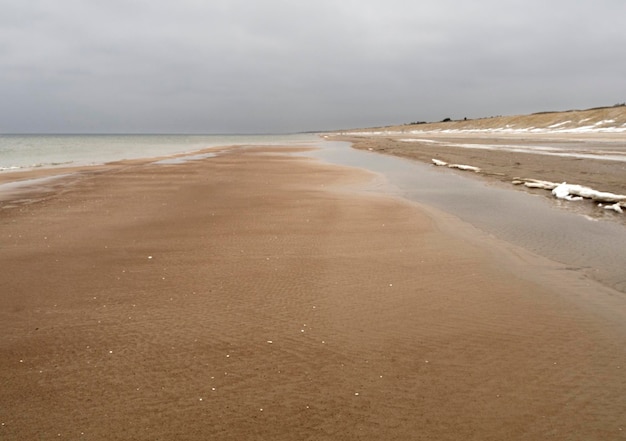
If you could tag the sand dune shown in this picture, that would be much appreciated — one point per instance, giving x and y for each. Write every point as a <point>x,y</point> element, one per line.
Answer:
<point>598,120</point>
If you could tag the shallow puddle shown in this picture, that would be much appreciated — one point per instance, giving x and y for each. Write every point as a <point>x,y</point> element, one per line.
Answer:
<point>533,222</point>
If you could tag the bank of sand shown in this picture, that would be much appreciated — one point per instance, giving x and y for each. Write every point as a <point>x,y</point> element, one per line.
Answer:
<point>261,296</point>
<point>505,166</point>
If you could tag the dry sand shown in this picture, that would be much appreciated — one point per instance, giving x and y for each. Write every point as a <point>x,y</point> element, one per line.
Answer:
<point>261,296</point>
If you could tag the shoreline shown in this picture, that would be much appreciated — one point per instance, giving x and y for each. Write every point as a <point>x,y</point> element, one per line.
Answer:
<point>35,184</point>
<point>32,151</point>
<point>507,166</point>
<point>260,294</point>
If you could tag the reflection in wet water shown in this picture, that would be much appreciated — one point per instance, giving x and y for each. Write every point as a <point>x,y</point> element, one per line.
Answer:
<point>517,217</point>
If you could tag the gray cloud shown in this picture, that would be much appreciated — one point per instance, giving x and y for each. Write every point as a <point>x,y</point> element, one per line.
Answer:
<point>278,65</point>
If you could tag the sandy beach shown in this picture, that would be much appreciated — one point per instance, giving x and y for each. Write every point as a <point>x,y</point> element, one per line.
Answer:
<point>583,147</point>
<point>502,165</point>
<point>262,295</point>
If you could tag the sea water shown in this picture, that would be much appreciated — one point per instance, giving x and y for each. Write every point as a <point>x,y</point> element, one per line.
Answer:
<point>21,152</point>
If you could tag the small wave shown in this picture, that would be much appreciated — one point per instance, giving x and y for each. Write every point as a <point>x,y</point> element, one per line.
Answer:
<point>31,166</point>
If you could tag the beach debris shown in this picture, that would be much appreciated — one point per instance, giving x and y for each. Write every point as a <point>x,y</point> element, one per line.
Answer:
<point>440,163</point>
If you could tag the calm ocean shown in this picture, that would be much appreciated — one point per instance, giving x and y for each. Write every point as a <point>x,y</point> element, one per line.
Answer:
<point>19,152</point>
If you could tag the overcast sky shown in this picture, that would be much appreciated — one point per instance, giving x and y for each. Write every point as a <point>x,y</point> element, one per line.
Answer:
<point>267,66</point>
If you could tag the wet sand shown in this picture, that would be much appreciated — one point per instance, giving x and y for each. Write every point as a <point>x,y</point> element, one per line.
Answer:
<point>505,166</point>
<point>263,296</point>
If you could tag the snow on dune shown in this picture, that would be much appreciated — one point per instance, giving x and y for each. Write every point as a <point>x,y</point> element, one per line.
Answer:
<point>497,130</point>
<point>594,128</point>
<point>558,124</point>
<point>609,121</point>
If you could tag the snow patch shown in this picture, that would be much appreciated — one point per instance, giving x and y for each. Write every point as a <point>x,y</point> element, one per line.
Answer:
<point>615,207</point>
<point>575,192</point>
<point>559,124</point>
<point>440,163</point>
